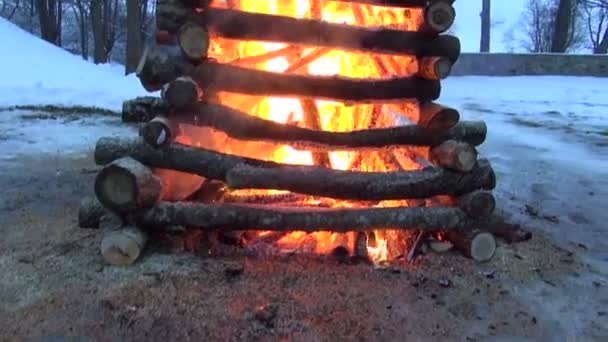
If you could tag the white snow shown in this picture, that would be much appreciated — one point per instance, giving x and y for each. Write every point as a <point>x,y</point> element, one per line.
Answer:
<point>35,72</point>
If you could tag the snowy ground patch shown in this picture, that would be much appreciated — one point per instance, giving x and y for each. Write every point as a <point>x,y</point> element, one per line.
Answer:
<point>35,72</point>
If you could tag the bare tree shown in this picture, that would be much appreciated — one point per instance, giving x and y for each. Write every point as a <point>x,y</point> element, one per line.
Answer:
<point>564,28</point>
<point>486,24</point>
<point>539,22</point>
<point>596,17</point>
<point>134,36</point>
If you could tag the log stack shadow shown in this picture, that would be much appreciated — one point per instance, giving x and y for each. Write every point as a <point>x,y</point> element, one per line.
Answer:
<point>178,65</point>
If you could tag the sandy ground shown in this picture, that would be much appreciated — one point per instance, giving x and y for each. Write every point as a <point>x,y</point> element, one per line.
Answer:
<point>55,286</point>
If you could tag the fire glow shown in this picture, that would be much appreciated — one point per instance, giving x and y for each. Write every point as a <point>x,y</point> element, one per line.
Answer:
<point>334,116</point>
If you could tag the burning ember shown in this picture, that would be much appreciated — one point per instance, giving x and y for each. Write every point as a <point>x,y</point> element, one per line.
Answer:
<point>283,121</point>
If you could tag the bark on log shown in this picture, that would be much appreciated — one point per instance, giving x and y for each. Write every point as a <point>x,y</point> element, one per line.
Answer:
<point>158,67</point>
<point>439,16</point>
<point>193,41</point>
<point>181,93</point>
<point>478,204</point>
<point>240,217</point>
<point>477,245</point>
<point>454,155</point>
<point>123,247</point>
<point>353,185</point>
<point>241,172</point>
<point>243,126</point>
<point>90,213</point>
<point>433,116</point>
<point>232,24</point>
<point>126,185</point>
<point>143,109</point>
<point>434,68</point>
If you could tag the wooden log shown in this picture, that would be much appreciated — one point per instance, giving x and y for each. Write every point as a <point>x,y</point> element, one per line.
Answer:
<point>193,41</point>
<point>90,213</point>
<point>232,24</point>
<point>511,233</point>
<point>439,16</point>
<point>158,67</point>
<point>454,155</point>
<point>240,217</point>
<point>396,3</point>
<point>243,126</point>
<point>126,185</point>
<point>181,93</point>
<point>143,109</point>
<point>123,247</point>
<point>353,185</point>
<point>159,132</point>
<point>477,245</point>
<point>241,172</point>
<point>433,116</point>
<point>478,203</point>
<point>434,68</point>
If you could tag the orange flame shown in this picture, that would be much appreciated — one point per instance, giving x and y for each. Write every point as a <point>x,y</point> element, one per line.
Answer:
<point>334,116</point>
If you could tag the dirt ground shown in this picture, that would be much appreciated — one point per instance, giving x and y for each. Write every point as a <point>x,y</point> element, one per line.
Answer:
<point>55,286</point>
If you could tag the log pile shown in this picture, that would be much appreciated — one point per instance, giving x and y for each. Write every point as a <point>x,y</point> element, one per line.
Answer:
<point>129,194</point>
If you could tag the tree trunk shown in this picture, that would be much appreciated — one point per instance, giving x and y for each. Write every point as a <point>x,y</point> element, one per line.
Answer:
<point>99,55</point>
<point>485,26</point>
<point>48,16</point>
<point>134,43</point>
<point>602,48</point>
<point>81,16</point>
<point>559,41</point>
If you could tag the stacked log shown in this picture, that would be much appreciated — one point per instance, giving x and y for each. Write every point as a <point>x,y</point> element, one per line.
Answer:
<point>179,67</point>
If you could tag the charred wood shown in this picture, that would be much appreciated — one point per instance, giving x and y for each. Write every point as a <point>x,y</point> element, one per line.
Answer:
<point>123,247</point>
<point>159,132</point>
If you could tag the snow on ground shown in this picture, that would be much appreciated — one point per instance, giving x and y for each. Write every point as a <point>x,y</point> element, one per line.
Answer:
<point>35,72</point>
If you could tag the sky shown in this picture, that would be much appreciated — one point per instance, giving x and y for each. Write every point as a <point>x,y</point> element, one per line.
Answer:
<point>505,13</point>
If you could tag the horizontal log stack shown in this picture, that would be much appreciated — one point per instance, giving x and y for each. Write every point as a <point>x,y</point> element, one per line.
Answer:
<point>129,194</point>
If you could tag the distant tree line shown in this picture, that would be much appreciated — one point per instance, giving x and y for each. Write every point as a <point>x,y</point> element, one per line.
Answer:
<point>99,30</point>
<point>114,30</point>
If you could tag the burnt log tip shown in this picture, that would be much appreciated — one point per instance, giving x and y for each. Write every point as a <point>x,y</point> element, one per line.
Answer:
<point>440,16</point>
<point>157,133</point>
